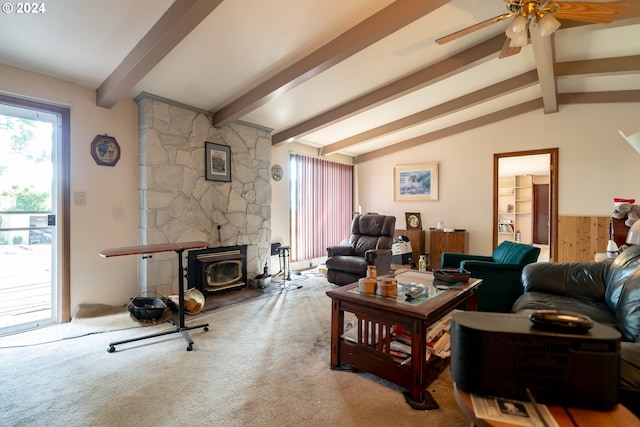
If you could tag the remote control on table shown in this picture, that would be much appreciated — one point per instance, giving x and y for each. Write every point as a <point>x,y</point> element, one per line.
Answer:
<point>414,293</point>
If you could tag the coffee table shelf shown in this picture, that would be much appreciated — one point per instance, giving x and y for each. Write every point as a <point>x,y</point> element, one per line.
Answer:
<point>379,314</point>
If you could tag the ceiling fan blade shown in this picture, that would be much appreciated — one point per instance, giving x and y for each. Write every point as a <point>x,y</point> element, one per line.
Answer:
<point>471,29</point>
<point>508,50</point>
<point>597,13</point>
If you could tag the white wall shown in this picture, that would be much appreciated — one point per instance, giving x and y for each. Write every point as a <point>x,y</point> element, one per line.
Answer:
<point>109,218</point>
<point>595,165</point>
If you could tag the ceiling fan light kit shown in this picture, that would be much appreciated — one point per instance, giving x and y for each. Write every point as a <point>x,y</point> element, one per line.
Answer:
<point>517,39</point>
<point>532,12</point>
<point>539,13</point>
<point>547,25</point>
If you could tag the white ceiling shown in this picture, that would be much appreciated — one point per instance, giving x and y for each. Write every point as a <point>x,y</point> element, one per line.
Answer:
<point>257,48</point>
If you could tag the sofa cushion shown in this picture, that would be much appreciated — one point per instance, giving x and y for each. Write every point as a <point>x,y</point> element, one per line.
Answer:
<point>515,253</point>
<point>583,280</point>
<point>371,231</point>
<point>349,264</point>
<point>596,310</point>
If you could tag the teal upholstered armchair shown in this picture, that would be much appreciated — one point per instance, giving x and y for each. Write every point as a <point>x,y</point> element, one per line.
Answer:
<point>500,273</point>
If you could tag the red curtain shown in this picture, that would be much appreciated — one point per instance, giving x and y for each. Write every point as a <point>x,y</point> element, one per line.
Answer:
<point>321,205</point>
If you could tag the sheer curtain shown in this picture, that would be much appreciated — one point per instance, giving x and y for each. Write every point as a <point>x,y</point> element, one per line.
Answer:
<point>321,205</point>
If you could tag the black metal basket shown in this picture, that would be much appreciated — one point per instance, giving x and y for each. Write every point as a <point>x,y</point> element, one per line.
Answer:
<point>147,307</point>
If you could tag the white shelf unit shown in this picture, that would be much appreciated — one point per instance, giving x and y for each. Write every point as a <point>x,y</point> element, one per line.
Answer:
<point>515,203</point>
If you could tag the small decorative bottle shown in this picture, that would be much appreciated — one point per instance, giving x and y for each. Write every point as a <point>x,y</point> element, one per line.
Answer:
<point>372,271</point>
<point>422,263</point>
<point>518,236</point>
<point>368,284</point>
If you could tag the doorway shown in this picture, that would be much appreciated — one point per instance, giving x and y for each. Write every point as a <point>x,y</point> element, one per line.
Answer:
<point>525,199</point>
<point>33,146</point>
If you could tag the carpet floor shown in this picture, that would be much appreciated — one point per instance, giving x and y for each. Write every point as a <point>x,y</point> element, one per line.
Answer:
<point>263,362</point>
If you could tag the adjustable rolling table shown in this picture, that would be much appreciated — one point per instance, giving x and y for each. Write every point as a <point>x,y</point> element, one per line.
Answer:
<point>179,248</point>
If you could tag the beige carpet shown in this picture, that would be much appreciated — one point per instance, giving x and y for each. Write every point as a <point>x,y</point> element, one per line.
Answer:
<point>264,362</point>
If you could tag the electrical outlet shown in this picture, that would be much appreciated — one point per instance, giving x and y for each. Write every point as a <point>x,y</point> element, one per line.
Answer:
<point>274,248</point>
<point>79,198</point>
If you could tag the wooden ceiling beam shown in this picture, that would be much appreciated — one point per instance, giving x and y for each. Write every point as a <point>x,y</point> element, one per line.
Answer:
<point>609,97</point>
<point>373,29</point>
<point>176,23</point>
<point>482,95</point>
<point>563,99</point>
<point>598,67</point>
<point>432,74</point>
<point>497,116</point>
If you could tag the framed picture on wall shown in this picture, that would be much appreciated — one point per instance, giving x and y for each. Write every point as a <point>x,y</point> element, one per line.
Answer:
<point>217,162</point>
<point>415,182</point>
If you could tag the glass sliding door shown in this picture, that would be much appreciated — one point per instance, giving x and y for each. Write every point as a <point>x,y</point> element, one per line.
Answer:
<point>29,285</point>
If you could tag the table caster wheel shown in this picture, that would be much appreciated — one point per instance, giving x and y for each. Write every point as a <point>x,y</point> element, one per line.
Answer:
<point>206,328</point>
<point>111,349</point>
<point>189,347</point>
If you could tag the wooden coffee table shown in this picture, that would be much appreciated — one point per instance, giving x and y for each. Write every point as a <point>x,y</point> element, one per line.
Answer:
<point>378,316</point>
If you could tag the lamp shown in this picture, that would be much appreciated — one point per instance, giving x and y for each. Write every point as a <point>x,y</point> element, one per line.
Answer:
<point>634,140</point>
<point>526,11</point>
<point>633,237</point>
<point>547,25</point>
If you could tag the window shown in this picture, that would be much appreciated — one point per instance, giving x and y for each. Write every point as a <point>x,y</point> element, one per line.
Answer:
<point>321,205</point>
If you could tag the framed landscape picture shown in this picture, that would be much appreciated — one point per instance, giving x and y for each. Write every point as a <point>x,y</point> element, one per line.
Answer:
<point>217,162</point>
<point>415,182</point>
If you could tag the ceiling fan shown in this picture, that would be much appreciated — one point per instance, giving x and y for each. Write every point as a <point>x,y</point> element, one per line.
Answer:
<point>543,15</point>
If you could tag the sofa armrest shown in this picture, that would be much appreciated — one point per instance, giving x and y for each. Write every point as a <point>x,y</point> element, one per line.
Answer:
<point>339,250</point>
<point>500,286</point>
<point>453,259</point>
<point>372,254</point>
<point>381,258</point>
<point>576,279</point>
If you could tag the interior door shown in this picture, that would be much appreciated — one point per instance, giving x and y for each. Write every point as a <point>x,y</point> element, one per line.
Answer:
<point>29,285</point>
<point>541,214</point>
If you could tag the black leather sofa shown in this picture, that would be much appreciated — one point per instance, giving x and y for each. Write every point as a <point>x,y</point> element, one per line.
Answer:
<point>608,292</point>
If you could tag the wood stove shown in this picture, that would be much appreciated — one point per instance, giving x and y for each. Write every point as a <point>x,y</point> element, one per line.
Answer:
<point>215,270</point>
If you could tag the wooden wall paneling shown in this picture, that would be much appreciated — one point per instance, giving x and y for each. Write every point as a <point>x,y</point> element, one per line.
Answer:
<point>581,237</point>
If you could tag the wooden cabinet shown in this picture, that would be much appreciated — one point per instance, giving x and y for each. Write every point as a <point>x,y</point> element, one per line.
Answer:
<point>416,238</point>
<point>446,241</point>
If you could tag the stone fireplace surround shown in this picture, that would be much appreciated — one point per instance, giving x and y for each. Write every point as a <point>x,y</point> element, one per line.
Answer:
<point>176,202</point>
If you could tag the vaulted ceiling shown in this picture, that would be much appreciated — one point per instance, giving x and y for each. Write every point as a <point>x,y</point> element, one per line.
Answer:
<point>359,77</point>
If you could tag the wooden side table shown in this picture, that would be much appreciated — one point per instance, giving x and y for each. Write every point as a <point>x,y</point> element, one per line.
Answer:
<point>603,256</point>
<point>565,417</point>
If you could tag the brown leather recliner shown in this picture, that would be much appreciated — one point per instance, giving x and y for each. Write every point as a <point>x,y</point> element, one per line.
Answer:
<point>369,244</point>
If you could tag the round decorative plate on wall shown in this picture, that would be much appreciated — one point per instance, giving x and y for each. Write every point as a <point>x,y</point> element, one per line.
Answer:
<point>276,172</point>
<point>105,150</point>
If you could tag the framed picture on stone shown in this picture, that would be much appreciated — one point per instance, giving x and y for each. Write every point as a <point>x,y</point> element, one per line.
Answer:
<point>217,162</point>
